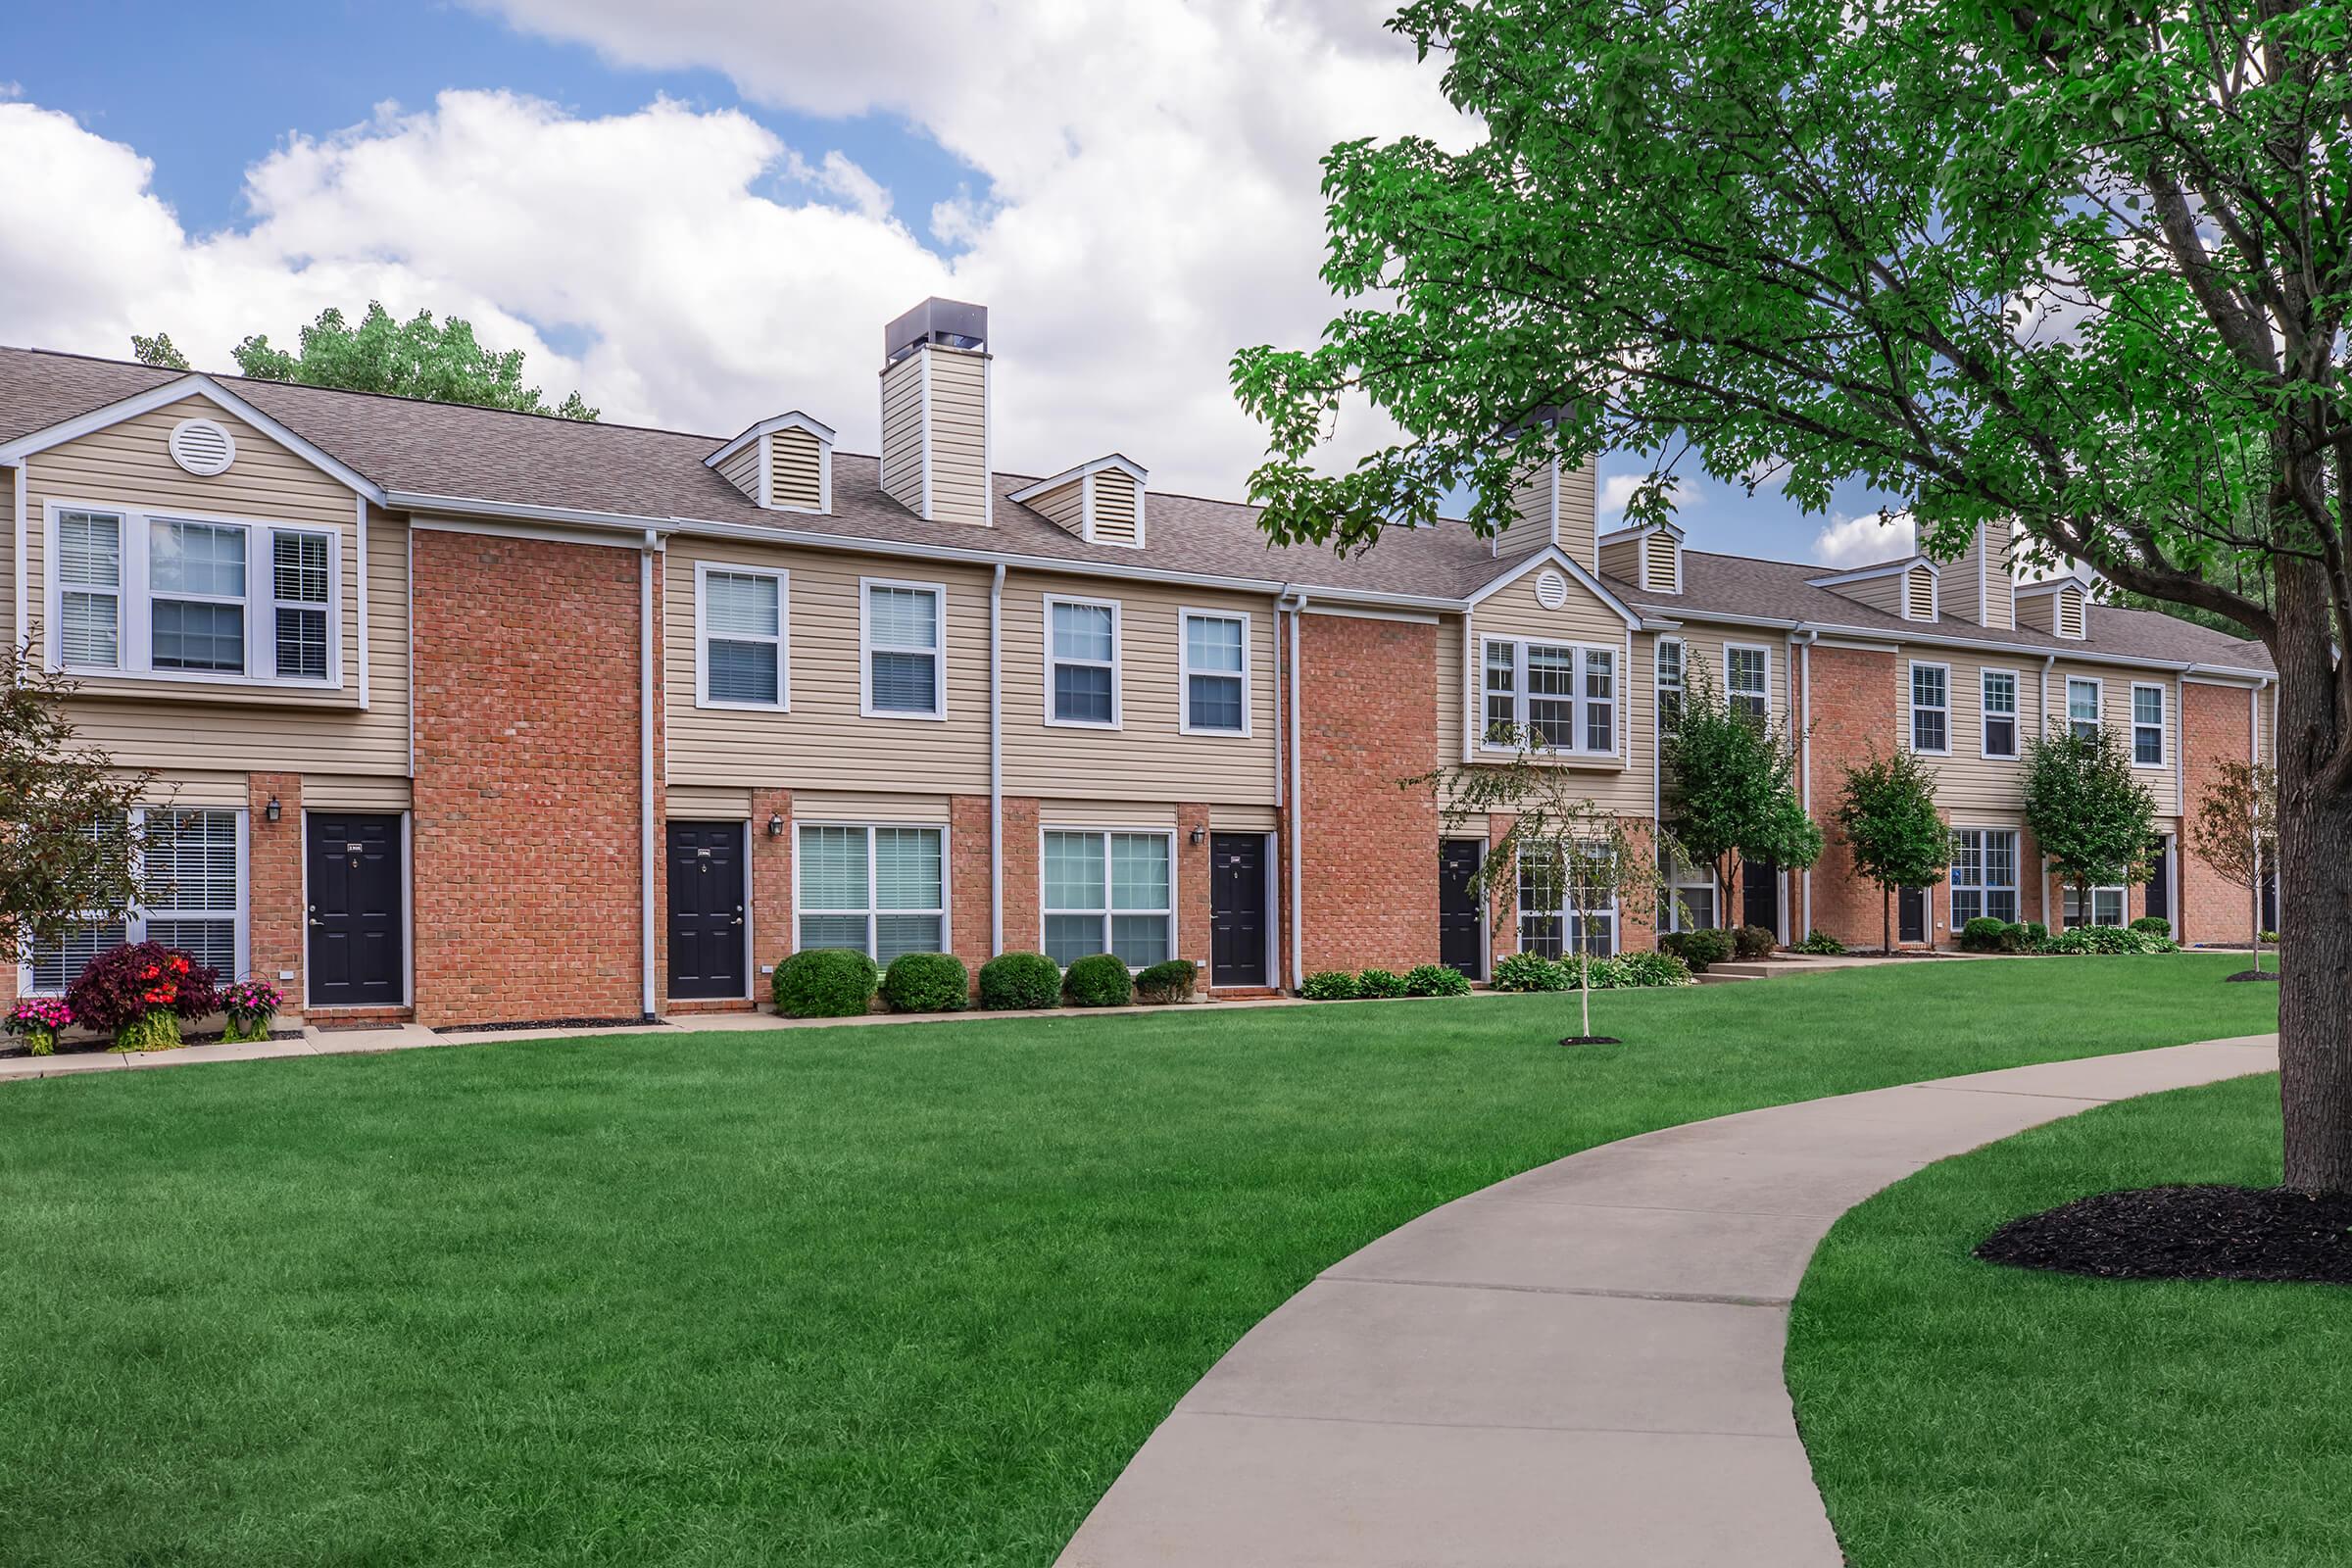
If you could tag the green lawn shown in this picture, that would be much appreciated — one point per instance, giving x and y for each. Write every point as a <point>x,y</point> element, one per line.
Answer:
<point>1960,1414</point>
<point>845,1296</point>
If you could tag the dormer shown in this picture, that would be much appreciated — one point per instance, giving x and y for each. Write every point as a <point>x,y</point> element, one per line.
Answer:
<point>2060,607</point>
<point>784,463</point>
<point>1649,556</point>
<point>1980,585</point>
<point>1101,502</point>
<point>1910,588</point>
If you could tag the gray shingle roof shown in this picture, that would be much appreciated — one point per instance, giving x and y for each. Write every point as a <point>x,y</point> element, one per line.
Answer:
<point>485,454</point>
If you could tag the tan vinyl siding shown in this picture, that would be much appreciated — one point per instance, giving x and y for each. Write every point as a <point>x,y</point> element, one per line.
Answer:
<point>184,788</point>
<point>840,805</point>
<point>1243,818</point>
<point>741,469</point>
<point>1105,813</point>
<point>704,803</point>
<point>1705,644</point>
<point>1663,565</point>
<point>1621,558</point>
<point>2115,714</point>
<point>1454,722</point>
<point>1064,507</point>
<point>1883,592</point>
<point>1578,531</point>
<point>1118,518</point>
<point>1531,507</point>
<point>824,738</point>
<point>2061,613</point>
<point>148,722</point>
<point>903,430</point>
<point>1983,573</point>
<point>1919,594</point>
<point>1622,784</point>
<point>796,472</point>
<point>1968,784</point>
<point>1148,758</point>
<point>356,793</point>
<point>958,435</point>
<point>8,559</point>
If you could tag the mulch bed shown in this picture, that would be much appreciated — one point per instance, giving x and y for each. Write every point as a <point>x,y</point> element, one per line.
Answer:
<point>1591,1040</point>
<point>2254,974</point>
<point>2186,1233</point>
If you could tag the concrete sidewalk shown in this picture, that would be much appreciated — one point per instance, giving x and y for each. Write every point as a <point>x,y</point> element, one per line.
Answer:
<point>1579,1365</point>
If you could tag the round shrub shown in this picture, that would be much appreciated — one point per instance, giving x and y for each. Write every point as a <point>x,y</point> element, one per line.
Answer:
<point>1698,948</point>
<point>1329,985</point>
<point>1100,980</point>
<point>926,982</point>
<point>2033,937</point>
<point>2155,926</point>
<point>1985,935</point>
<point>141,993</point>
<point>1820,945</point>
<point>826,983</point>
<point>1530,971</point>
<point>1648,969</point>
<point>1019,980</point>
<point>1169,981</point>
<point>1435,980</point>
<point>1753,942</point>
<point>1380,982</point>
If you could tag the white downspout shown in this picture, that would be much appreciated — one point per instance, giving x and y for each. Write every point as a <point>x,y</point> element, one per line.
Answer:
<point>1297,604</point>
<point>645,766</point>
<point>2042,732</point>
<point>1805,719</point>
<point>19,630</point>
<point>996,762</point>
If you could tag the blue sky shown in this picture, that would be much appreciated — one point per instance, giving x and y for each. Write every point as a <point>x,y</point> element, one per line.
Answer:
<point>1111,335</point>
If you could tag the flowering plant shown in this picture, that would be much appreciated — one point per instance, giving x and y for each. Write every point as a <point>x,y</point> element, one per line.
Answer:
<point>37,1021</point>
<point>250,1006</point>
<point>141,993</point>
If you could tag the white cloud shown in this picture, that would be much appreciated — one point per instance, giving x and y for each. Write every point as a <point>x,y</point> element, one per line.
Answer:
<point>1846,541</point>
<point>1145,202</point>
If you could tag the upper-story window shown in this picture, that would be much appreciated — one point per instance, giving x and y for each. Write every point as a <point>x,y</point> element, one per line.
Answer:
<point>1747,680</point>
<point>215,599</point>
<point>1561,696</point>
<point>2000,712</point>
<point>2082,708</point>
<point>741,639</point>
<point>1082,662</point>
<point>2147,726</point>
<point>1216,673</point>
<point>900,630</point>
<point>1930,707</point>
<point>1670,685</point>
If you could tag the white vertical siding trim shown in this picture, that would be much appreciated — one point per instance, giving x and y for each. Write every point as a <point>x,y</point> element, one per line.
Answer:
<point>768,471</point>
<point>18,569</point>
<point>923,375</point>
<point>361,503</point>
<point>987,446</point>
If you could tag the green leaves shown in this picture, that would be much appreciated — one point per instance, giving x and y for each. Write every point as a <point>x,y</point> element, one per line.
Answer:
<point>65,848</point>
<point>2093,820</point>
<point>417,357</point>
<point>1729,791</point>
<point>1887,814</point>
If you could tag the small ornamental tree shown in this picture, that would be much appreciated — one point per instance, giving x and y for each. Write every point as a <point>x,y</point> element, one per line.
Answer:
<point>1886,813</point>
<point>2235,831</point>
<point>1559,837</point>
<point>2093,819</point>
<point>1731,786</point>
<point>66,845</point>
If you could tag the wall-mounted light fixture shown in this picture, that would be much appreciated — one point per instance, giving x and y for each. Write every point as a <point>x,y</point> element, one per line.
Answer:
<point>1197,834</point>
<point>775,824</point>
<point>272,811</point>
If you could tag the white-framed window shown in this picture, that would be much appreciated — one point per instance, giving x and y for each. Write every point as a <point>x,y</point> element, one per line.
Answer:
<point>901,636</point>
<point>1082,662</point>
<point>2148,726</point>
<point>2107,907</point>
<point>194,863</point>
<point>2082,699</point>
<point>1747,679</point>
<point>1691,889</point>
<point>1930,707</point>
<point>742,636</point>
<point>189,597</point>
<point>1549,927</point>
<point>1106,891</point>
<point>1564,694</point>
<point>1983,875</point>
<point>1670,685</point>
<point>1214,666</point>
<point>1999,688</point>
<point>879,888</point>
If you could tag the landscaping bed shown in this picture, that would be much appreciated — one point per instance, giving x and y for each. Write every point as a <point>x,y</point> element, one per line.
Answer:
<point>2186,1233</point>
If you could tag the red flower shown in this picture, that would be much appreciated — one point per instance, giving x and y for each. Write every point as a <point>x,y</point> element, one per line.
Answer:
<point>179,965</point>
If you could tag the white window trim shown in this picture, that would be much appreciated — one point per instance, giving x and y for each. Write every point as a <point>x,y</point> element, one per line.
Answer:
<point>866,650</point>
<point>2123,902</point>
<point>1913,707</point>
<point>133,598</point>
<point>136,918</point>
<point>1984,715</point>
<point>2162,727</point>
<point>947,882</point>
<point>1659,686</point>
<point>783,638</point>
<point>2015,888</point>
<point>1184,616</point>
<point>1730,696</point>
<point>1678,877</point>
<point>1109,908</point>
<point>1577,700</point>
<point>1118,662</point>
<point>1568,918</point>
<point>2098,688</point>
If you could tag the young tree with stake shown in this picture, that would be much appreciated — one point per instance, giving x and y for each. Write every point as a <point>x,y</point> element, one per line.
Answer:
<point>1730,790</point>
<point>61,852</point>
<point>2235,831</point>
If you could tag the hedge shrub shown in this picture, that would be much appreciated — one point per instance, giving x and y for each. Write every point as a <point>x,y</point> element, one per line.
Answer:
<point>1698,948</point>
<point>1530,971</point>
<point>1374,983</point>
<point>1329,985</point>
<point>1019,980</point>
<point>826,983</point>
<point>1643,969</point>
<point>1169,981</point>
<point>2110,939</point>
<point>1100,980</point>
<point>2033,937</point>
<point>1435,980</point>
<point>1821,944</point>
<point>927,982</point>
<point>1986,935</point>
<point>1753,942</point>
<point>2155,926</point>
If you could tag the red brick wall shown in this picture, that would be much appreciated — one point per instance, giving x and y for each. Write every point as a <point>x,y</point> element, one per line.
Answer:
<point>1195,916</point>
<point>528,817</point>
<point>969,918</point>
<point>772,935</point>
<point>1854,710</point>
<point>275,921</point>
<point>1370,850</point>
<point>1024,925</point>
<point>2217,728</point>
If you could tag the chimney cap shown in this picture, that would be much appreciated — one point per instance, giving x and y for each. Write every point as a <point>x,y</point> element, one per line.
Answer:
<point>949,322</point>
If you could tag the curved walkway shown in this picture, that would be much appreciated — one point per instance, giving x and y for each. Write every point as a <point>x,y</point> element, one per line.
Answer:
<point>1579,1365</point>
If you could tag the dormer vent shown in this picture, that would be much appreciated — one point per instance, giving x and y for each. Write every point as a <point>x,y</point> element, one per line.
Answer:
<point>935,441</point>
<point>2060,608</point>
<point>1919,594</point>
<point>1909,589</point>
<point>1649,555</point>
<point>784,463</point>
<point>1101,502</point>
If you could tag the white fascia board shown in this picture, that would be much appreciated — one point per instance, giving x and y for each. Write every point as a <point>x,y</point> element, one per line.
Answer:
<point>1670,528</point>
<point>794,421</point>
<point>197,385</point>
<point>1554,556</point>
<point>1044,487</point>
<point>1865,574</point>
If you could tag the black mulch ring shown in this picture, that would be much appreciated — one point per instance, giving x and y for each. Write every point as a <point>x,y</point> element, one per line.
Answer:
<point>1591,1040</point>
<point>2186,1233</point>
<point>2253,974</point>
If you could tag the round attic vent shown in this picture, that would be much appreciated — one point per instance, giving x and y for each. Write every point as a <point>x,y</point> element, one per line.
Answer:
<point>201,446</point>
<point>1551,589</point>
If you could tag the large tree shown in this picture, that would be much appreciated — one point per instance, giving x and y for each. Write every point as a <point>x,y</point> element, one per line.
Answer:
<point>1886,813</point>
<point>2076,265</point>
<point>66,845</point>
<point>1729,791</point>
<point>419,358</point>
<point>2094,821</point>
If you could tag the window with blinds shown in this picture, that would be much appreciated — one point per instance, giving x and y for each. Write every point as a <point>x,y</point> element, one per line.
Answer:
<point>901,636</point>
<point>741,613</point>
<point>879,890</point>
<point>195,867</point>
<point>1216,675</point>
<point>1108,892</point>
<point>1082,662</point>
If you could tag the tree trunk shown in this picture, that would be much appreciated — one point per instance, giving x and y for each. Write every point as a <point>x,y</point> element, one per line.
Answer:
<point>1885,918</point>
<point>2315,883</point>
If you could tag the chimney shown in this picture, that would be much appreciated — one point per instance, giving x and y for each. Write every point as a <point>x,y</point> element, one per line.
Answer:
<point>935,449</point>
<point>1551,504</point>
<point>1979,586</point>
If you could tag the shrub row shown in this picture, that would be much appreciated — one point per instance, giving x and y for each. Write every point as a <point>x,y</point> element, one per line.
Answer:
<point>1820,945</point>
<point>841,983</point>
<point>1421,980</point>
<point>2147,934</point>
<point>1530,971</point>
<point>1699,950</point>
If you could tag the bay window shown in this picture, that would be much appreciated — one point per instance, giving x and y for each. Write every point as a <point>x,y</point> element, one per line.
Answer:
<point>1560,697</point>
<point>1983,875</point>
<point>1108,892</point>
<point>879,890</point>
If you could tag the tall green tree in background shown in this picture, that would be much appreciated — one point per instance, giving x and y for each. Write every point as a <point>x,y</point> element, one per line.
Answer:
<point>2082,265</point>
<point>419,358</point>
<point>1886,813</point>
<point>2092,820</point>
<point>1730,790</point>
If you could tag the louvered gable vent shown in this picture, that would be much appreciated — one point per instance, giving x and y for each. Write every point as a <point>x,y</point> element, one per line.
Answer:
<point>1101,502</point>
<point>202,447</point>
